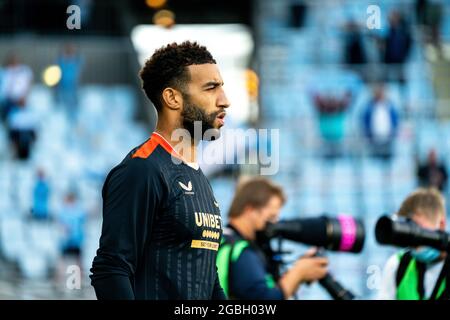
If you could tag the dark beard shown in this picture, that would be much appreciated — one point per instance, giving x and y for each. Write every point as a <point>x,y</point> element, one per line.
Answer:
<point>192,114</point>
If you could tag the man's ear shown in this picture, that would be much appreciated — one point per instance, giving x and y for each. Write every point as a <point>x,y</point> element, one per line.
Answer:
<point>247,209</point>
<point>172,98</point>
<point>443,222</point>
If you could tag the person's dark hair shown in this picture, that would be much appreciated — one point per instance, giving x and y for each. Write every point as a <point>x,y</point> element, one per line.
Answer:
<point>256,193</point>
<point>167,67</point>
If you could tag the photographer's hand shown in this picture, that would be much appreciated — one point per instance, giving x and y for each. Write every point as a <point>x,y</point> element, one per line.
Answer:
<point>306,269</point>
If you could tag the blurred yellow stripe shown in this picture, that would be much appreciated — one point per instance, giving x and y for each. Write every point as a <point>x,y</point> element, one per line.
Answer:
<point>201,244</point>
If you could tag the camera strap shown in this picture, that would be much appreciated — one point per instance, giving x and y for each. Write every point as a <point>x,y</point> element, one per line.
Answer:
<point>444,276</point>
<point>405,261</point>
<point>236,245</point>
<point>421,268</point>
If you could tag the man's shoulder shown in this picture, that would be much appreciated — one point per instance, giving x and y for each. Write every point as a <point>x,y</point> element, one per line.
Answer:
<point>152,161</point>
<point>138,167</point>
<point>231,236</point>
<point>242,247</point>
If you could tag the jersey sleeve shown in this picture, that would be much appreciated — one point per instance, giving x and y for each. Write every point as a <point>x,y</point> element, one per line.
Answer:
<point>218,293</point>
<point>132,194</point>
<point>249,279</point>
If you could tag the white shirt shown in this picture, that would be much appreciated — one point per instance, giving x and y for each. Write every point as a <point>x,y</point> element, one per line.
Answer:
<point>381,122</point>
<point>193,165</point>
<point>16,81</point>
<point>388,290</point>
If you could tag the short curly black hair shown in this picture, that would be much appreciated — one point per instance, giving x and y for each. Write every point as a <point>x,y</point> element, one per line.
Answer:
<point>167,68</point>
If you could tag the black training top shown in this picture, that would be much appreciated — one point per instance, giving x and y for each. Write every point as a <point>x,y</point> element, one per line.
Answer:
<point>161,229</point>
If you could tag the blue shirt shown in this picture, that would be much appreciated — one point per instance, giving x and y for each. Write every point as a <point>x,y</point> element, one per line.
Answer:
<point>70,71</point>
<point>73,219</point>
<point>41,195</point>
<point>248,278</point>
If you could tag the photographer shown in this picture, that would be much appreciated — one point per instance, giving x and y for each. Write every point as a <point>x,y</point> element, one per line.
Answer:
<point>242,265</point>
<point>423,272</point>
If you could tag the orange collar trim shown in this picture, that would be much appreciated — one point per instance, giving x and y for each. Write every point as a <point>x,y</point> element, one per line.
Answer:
<point>165,144</point>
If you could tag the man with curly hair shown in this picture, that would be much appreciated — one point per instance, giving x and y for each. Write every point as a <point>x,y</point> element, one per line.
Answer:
<point>161,222</point>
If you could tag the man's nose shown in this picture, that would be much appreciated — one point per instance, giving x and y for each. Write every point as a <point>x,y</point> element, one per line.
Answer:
<point>223,101</point>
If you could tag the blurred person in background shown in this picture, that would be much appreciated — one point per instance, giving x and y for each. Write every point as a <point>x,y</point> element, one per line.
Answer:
<point>423,272</point>
<point>72,219</point>
<point>22,124</point>
<point>433,173</point>
<point>430,15</point>
<point>380,121</point>
<point>298,13</point>
<point>244,269</point>
<point>41,196</point>
<point>395,47</point>
<point>332,111</point>
<point>66,91</point>
<point>16,83</point>
<point>354,50</point>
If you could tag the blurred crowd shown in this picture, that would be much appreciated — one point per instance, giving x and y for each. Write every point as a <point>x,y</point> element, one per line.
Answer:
<point>381,116</point>
<point>21,124</point>
<point>379,120</point>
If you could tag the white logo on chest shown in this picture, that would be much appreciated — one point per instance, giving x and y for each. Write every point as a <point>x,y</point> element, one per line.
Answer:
<point>187,187</point>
